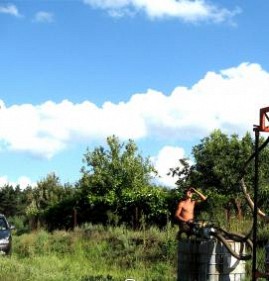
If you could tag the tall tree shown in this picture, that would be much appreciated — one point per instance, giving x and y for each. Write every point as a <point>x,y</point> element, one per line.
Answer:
<point>45,196</point>
<point>11,200</point>
<point>219,165</point>
<point>118,178</point>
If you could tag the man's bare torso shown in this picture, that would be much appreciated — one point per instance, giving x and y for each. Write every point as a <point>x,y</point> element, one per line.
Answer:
<point>186,210</point>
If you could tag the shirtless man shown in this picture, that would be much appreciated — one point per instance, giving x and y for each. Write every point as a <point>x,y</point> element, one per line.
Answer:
<point>185,209</point>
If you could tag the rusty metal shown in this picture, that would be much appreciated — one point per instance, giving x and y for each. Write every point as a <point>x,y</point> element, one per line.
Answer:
<point>264,120</point>
<point>262,127</point>
<point>255,199</point>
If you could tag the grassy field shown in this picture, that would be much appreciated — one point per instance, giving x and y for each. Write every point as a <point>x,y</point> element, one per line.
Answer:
<point>98,253</point>
<point>92,253</point>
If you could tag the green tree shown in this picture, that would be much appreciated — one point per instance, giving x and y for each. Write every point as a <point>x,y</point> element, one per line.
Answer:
<point>11,200</point>
<point>119,179</point>
<point>220,160</point>
<point>48,193</point>
<point>219,165</point>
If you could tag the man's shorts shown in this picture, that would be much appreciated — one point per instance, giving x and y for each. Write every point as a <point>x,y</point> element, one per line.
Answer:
<point>185,226</point>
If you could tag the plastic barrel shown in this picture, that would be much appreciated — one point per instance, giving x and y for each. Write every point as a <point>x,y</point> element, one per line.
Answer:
<point>208,260</point>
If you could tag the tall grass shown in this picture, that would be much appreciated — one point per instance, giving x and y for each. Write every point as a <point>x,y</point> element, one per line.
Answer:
<point>96,252</point>
<point>93,253</point>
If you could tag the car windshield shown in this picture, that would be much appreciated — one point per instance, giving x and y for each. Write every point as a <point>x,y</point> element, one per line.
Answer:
<point>3,224</point>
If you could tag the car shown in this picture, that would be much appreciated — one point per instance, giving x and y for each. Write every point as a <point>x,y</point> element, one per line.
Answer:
<point>5,236</point>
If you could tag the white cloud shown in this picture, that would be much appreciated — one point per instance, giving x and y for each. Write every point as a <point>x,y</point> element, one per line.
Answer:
<point>3,181</point>
<point>44,17</point>
<point>186,10</point>
<point>9,9</point>
<point>22,181</point>
<point>47,128</point>
<point>229,100</point>
<point>168,157</point>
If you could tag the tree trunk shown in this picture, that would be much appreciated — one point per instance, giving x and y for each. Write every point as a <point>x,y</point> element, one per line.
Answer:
<point>238,208</point>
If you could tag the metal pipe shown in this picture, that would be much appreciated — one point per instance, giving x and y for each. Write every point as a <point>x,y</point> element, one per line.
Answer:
<point>255,199</point>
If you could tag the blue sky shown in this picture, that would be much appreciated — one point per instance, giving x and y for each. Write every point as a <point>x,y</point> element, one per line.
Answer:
<point>164,73</point>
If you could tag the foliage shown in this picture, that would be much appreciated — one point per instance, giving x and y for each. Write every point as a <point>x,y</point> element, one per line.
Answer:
<point>12,200</point>
<point>116,190</point>
<point>45,198</point>
<point>116,187</point>
<point>48,192</point>
<point>20,223</point>
<point>118,179</point>
<point>95,251</point>
<point>92,252</point>
<point>220,162</point>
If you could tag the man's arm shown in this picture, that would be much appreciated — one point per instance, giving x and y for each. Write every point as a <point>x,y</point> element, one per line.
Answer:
<point>179,211</point>
<point>202,196</point>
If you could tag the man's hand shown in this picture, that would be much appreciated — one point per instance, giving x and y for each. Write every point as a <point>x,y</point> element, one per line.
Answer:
<point>203,197</point>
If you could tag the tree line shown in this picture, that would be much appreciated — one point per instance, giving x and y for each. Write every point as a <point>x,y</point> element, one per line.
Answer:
<point>116,186</point>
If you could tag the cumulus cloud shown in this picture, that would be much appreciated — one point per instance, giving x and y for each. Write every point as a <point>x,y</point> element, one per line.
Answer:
<point>186,10</point>
<point>44,17</point>
<point>229,100</point>
<point>47,128</point>
<point>23,182</point>
<point>9,9</point>
<point>168,157</point>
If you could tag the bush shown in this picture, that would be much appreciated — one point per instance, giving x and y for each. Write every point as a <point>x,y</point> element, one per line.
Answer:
<point>20,223</point>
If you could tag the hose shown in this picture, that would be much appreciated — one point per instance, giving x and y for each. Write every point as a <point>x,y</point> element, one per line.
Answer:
<point>224,235</point>
<point>237,237</point>
<point>207,230</point>
<point>224,241</point>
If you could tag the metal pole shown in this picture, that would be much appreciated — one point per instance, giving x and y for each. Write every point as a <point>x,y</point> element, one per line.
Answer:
<point>255,211</point>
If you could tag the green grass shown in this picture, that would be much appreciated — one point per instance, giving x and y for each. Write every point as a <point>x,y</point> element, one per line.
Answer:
<point>92,253</point>
<point>98,253</point>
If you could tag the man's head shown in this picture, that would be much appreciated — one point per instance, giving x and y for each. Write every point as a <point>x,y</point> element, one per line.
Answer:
<point>188,192</point>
